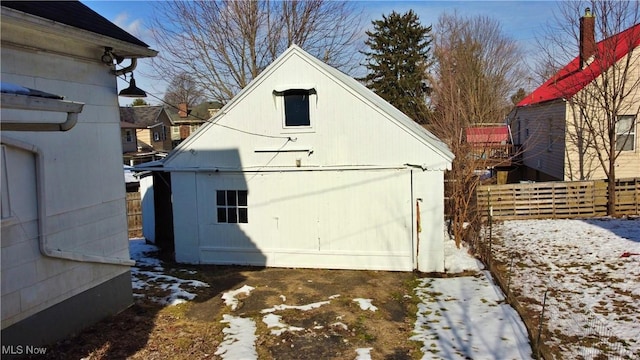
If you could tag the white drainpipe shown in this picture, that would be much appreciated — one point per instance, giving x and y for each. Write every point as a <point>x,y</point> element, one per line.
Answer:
<point>45,248</point>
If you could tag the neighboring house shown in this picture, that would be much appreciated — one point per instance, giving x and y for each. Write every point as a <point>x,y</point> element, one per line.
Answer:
<point>152,125</point>
<point>65,250</point>
<point>128,133</point>
<point>306,167</point>
<point>492,149</point>
<point>491,142</point>
<point>185,121</point>
<point>547,126</point>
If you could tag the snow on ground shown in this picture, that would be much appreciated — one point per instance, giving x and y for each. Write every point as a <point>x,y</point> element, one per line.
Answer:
<point>363,354</point>
<point>592,276</point>
<point>148,272</point>
<point>365,304</point>
<point>459,317</point>
<point>239,339</point>
<point>230,296</point>
<point>467,318</point>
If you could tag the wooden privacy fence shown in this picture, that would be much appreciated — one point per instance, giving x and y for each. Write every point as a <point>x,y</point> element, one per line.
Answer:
<point>556,200</point>
<point>134,214</point>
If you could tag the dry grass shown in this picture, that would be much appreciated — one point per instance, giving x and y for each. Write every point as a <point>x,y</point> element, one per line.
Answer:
<point>193,330</point>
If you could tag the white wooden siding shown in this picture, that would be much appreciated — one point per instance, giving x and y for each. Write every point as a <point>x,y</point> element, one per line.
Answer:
<point>341,194</point>
<point>334,219</point>
<point>84,186</point>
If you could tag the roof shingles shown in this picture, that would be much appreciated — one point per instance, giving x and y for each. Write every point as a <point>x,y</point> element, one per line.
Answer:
<point>76,14</point>
<point>141,115</point>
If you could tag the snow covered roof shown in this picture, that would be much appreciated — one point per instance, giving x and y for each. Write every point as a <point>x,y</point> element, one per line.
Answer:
<point>9,88</point>
<point>572,78</point>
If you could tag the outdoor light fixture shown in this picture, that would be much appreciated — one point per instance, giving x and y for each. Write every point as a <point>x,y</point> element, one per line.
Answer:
<point>108,56</point>
<point>132,91</point>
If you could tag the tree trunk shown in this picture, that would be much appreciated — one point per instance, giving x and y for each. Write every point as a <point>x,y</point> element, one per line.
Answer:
<point>611,187</point>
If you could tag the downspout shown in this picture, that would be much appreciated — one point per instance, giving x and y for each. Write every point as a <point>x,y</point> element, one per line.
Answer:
<point>128,69</point>
<point>45,248</point>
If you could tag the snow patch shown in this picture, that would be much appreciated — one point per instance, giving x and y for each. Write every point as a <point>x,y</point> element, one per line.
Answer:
<point>230,296</point>
<point>365,304</point>
<point>148,272</point>
<point>296,307</point>
<point>274,321</point>
<point>363,354</point>
<point>239,339</point>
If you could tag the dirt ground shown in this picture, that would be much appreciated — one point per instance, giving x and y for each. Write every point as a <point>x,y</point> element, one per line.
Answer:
<point>193,330</point>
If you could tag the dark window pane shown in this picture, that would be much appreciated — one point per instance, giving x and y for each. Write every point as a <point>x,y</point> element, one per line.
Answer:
<point>232,217</point>
<point>242,198</point>
<point>231,198</point>
<point>296,109</point>
<point>220,198</point>
<point>242,215</point>
<point>222,215</point>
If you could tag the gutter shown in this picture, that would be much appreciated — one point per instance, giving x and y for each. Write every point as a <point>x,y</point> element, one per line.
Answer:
<point>45,248</point>
<point>26,102</point>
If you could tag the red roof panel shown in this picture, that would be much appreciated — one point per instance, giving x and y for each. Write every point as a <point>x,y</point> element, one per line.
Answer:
<point>488,134</point>
<point>571,79</point>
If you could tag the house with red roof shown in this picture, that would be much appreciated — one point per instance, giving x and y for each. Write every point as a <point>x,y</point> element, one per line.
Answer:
<point>552,122</point>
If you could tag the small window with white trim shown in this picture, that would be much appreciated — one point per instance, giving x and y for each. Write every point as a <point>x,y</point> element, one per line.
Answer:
<point>232,206</point>
<point>297,104</point>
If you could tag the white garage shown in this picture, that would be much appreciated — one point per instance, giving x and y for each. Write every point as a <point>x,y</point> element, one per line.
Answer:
<point>308,168</point>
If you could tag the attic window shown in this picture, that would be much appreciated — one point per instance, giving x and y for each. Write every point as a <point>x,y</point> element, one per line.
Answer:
<point>297,106</point>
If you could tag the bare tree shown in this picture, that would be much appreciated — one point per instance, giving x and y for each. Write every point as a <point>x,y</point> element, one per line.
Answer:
<point>477,70</point>
<point>183,89</point>
<point>605,109</point>
<point>225,44</point>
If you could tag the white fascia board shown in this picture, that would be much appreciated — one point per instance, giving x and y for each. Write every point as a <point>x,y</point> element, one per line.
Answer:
<point>120,47</point>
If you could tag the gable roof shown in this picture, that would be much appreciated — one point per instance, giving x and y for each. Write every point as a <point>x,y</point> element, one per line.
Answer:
<point>571,79</point>
<point>141,115</point>
<point>349,83</point>
<point>76,14</point>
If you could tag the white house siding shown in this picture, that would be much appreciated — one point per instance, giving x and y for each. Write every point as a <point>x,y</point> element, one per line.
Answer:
<point>347,130</point>
<point>148,209</point>
<point>83,186</point>
<point>338,194</point>
<point>359,219</point>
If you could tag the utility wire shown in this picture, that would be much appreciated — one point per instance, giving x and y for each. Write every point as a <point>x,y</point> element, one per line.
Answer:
<point>213,122</point>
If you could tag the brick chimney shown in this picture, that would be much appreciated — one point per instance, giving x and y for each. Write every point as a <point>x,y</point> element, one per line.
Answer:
<point>183,110</point>
<point>587,38</point>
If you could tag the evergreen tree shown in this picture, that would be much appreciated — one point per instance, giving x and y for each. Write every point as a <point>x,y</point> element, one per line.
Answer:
<point>398,61</point>
<point>139,102</point>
